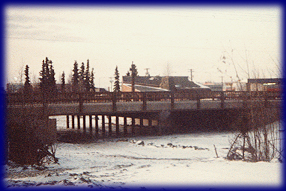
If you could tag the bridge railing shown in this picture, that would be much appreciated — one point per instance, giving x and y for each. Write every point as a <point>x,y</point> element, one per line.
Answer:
<point>91,97</point>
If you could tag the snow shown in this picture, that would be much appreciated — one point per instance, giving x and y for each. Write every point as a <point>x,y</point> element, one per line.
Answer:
<point>151,161</point>
<point>201,86</point>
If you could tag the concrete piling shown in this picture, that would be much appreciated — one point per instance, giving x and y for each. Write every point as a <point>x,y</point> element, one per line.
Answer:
<point>133,126</point>
<point>141,125</point>
<point>125,126</point>
<point>68,122</point>
<point>149,122</point>
<point>73,122</point>
<point>117,125</point>
<point>110,125</point>
<point>103,124</point>
<point>84,122</point>
<point>90,124</point>
<point>78,121</point>
<point>96,125</point>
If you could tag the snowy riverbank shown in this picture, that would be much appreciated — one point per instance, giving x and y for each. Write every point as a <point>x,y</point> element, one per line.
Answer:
<point>163,161</point>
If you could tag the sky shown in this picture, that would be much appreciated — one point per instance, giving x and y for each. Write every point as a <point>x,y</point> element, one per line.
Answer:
<point>215,42</point>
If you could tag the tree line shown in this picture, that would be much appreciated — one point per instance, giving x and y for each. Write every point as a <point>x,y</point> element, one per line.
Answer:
<point>82,79</point>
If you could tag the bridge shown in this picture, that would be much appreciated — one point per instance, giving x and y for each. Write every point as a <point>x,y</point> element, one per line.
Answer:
<point>159,111</point>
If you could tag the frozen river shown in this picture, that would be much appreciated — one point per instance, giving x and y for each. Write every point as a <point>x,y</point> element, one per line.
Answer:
<point>151,161</point>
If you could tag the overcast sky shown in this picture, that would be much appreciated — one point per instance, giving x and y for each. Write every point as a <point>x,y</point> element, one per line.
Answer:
<point>178,38</point>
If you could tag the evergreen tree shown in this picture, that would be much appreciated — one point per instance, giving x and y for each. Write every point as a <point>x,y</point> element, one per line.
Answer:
<point>27,85</point>
<point>75,78</point>
<point>82,78</point>
<point>87,76</point>
<point>134,73</point>
<point>91,80</point>
<point>51,78</point>
<point>44,77</point>
<point>47,78</point>
<point>116,82</point>
<point>63,82</point>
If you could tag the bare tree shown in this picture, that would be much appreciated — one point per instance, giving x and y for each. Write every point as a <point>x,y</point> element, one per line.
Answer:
<point>258,127</point>
<point>21,74</point>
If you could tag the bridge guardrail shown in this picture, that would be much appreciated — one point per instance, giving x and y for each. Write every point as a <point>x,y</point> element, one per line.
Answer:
<point>90,97</point>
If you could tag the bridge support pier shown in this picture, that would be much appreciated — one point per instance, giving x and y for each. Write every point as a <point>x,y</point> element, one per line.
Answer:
<point>103,125</point>
<point>125,126</point>
<point>68,122</point>
<point>141,126</point>
<point>96,125</point>
<point>90,124</point>
<point>78,122</point>
<point>133,126</point>
<point>84,122</point>
<point>72,121</point>
<point>110,125</point>
<point>117,125</point>
<point>149,123</point>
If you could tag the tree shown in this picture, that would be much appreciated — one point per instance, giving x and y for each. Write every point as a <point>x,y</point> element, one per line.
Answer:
<point>63,82</point>
<point>116,83</point>
<point>75,77</point>
<point>44,76</point>
<point>27,85</point>
<point>20,72</point>
<point>134,73</point>
<point>91,80</point>
<point>82,78</point>
<point>87,76</point>
<point>51,77</point>
<point>47,78</point>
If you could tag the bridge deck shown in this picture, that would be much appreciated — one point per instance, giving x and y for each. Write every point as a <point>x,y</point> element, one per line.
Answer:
<point>137,106</point>
<point>164,108</point>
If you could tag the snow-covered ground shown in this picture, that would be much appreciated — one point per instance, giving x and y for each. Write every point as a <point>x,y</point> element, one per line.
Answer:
<point>155,161</point>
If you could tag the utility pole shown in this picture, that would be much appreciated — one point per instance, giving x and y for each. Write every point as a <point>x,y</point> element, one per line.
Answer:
<point>191,71</point>
<point>111,83</point>
<point>222,83</point>
<point>147,72</point>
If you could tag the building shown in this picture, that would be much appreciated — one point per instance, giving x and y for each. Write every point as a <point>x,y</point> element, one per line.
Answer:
<point>14,87</point>
<point>159,83</point>
<point>214,86</point>
<point>264,84</point>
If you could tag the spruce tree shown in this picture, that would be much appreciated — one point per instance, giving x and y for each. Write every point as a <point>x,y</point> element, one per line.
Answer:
<point>134,73</point>
<point>44,77</point>
<point>47,78</point>
<point>27,85</point>
<point>82,78</point>
<point>87,76</point>
<point>116,87</point>
<point>75,77</point>
<point>63,82</point>
<point>51,77</point>
<point>91,80</point>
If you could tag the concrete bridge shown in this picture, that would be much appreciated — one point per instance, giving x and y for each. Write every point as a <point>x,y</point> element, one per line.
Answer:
<point>159,112</point>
